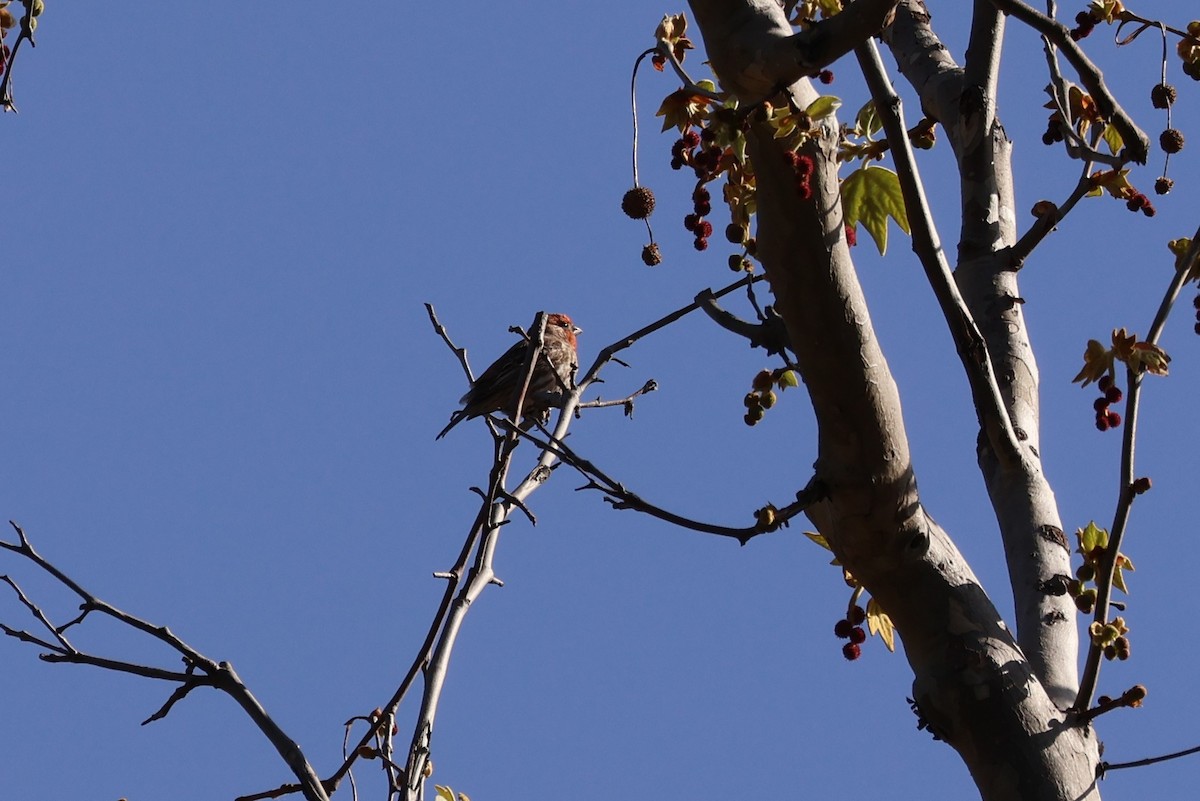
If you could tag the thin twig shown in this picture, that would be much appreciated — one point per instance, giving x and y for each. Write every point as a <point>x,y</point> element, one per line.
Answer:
<point>1104,767</point>
<point>219,675</point>
<point>1125,494</point>
<point>633,106</point>
<point>627,401</point>
<point>1048,222</point>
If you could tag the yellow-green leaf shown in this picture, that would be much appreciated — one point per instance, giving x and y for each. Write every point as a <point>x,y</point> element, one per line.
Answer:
<point>870,195</point>
<point>1097,360</point>
<point>444,792</point>
<point>867,122</point>
<point>822,107</point>
<point>787,379</point>
<point>818,539</point>
<point>1113,139</point>
<point>1091,537</point>
<point>879,623</point>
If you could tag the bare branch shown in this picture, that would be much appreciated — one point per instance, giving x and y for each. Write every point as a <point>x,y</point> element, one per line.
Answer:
<point>460,353</point>
<point>771,334</point>
<point>627,401</point>
<point>1049,221</point>
<point>220,676</point>
<point>607,354</point>
<point>1126,493</point>
<point>35,610</point>
<point>179,694</point>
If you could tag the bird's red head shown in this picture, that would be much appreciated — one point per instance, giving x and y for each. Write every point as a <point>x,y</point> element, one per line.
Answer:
<point>562,324</point>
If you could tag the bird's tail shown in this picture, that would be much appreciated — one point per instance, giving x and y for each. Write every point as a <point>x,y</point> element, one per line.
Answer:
<point>455,419</point>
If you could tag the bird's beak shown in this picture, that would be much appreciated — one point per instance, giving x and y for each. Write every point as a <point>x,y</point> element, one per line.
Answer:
<point>576,329</point>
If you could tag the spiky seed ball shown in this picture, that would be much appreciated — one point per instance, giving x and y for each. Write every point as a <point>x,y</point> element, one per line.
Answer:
<point>857,635</point>
<point>1113,395</point>
<point>691,139</point>
<point>651,255</point>
<point>763,380</point>
<point>638,203</point>
<point>735,262</point>
<point>857,615</point>
<point>751,400</point>
<point>769,398</point>
<point>1114,419</point>
<point>842,629</point>
<point>701,243</point>
<point>1171,140</point>
<point>1163,185</point>
<point>1163,95</point>
<point>825,77</point>
<point>851,651</point>
<point>735,233</point>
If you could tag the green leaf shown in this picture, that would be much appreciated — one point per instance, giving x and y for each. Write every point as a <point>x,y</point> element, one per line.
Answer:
<point>870,195</point>
<point>867,120</point>
<point>879,623</point>
<point>787,379</point>
<point>822,107</point>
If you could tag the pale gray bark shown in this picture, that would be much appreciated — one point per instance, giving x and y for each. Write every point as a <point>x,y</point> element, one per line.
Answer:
<point>996,703</point>
<point>964,102</point>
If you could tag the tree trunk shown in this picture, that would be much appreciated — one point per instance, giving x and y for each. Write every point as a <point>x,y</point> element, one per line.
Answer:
<point>973,685</point>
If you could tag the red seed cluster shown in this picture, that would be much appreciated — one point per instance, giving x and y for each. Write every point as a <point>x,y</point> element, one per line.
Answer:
<point>1085,23</point>
<point>1139,202</point>
<point>850,628</point>
<point>851,235</point>
<point>1053,131</point>
<point>803,166</point>
<point>703,155</point>
<point>1110,393</point>
<point>1196,304</point>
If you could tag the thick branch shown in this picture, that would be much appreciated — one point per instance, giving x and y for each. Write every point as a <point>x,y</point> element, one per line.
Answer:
<point>971,680</point>
<point>989,405</point>
<point>1024,504</point>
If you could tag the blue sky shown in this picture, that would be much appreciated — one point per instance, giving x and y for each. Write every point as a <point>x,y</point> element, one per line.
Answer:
<point>222,392</point>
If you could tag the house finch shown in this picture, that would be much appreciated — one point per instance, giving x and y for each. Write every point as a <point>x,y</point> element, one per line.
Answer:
<point>496,390</point>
